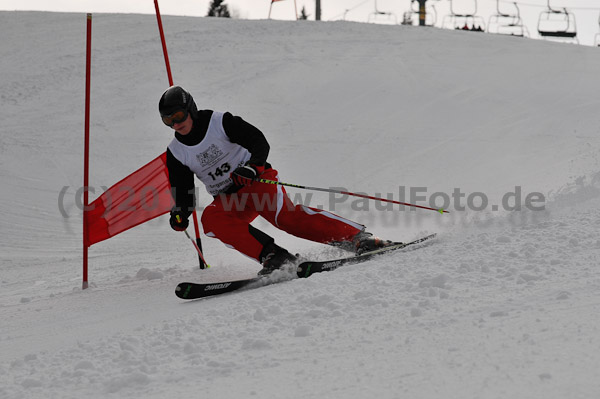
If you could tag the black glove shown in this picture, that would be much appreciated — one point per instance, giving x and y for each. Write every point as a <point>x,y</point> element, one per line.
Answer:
<point>245,175</point>
<point>179,220</point>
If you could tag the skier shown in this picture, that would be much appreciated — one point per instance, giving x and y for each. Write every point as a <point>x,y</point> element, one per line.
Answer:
<point>227,153</point>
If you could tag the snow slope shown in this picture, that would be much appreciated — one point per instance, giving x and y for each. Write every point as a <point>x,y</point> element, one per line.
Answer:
<point>503,304</point>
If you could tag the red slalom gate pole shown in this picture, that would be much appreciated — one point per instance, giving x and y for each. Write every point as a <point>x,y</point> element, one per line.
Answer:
<point>86,150</point>
<point>164,43</point>
<point>198,243</point>
<point>328,190</point>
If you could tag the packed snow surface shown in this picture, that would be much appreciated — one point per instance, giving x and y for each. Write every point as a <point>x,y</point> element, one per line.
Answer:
<point>505,303</point>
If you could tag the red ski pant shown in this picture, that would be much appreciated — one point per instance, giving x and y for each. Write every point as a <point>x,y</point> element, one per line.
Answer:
<point>228,218</point>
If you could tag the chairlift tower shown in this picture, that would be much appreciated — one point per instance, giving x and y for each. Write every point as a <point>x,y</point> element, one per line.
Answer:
<point>557,24</point>
<point>421,15</point>
<point>317,10</point>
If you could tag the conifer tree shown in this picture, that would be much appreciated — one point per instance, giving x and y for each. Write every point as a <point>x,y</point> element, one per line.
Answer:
<point>218,8</point>
<point>303,14</point>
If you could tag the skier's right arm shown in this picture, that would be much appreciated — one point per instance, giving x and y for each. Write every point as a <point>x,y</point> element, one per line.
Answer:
<point>182,185</point>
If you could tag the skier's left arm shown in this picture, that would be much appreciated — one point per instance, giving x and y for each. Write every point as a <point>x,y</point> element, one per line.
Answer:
<point>248,136</point>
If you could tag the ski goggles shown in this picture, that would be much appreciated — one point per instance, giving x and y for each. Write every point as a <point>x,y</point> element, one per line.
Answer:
<point>175,117</point>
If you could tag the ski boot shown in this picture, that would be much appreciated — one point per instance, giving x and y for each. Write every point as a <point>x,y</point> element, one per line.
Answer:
<point>365,242</point>
<point>273,257</point>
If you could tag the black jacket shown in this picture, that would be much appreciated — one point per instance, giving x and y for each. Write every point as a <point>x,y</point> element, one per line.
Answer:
<point>238,130</point>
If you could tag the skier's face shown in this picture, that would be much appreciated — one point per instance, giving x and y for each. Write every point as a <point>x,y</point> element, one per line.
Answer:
<point>184,127</point>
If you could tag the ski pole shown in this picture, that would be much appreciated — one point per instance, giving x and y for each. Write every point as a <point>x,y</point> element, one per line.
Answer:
<point>198,250</point>
<point>195,244</point>
<point>198,242</point>
<point>328,190</point>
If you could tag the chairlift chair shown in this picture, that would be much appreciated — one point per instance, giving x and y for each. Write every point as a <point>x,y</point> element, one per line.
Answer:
<point>374,16</point>
<point>274,1</point>
<point>407,18</point>
<point>597,37</point>
<point>557,24</point>
<point>462,20</point>
<point>505,23</point>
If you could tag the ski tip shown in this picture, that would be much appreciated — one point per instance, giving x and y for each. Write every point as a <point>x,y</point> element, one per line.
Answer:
<point>303,270</point>
<point>442,211</point>
<point>182,290</point>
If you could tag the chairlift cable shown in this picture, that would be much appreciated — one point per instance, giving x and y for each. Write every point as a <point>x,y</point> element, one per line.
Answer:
<point>349,9</point>
<point>545,6</point>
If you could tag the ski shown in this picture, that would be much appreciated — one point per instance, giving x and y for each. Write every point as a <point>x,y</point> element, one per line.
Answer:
<point>305,269</point>
<point>200,290</point>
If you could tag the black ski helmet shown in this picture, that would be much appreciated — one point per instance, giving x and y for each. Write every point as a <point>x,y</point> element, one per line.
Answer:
<point>176,98</point>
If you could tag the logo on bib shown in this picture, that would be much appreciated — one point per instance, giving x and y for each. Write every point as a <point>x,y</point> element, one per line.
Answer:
<point>212,154</point>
